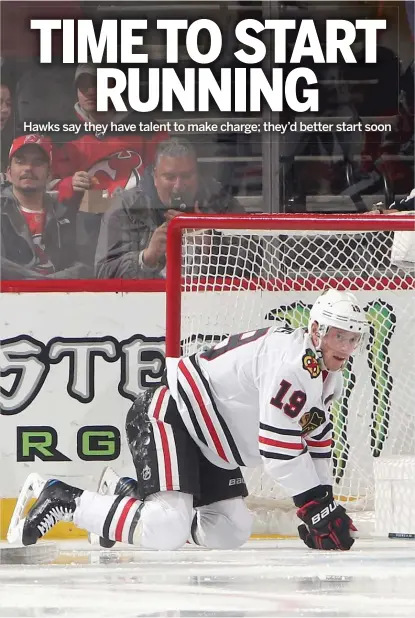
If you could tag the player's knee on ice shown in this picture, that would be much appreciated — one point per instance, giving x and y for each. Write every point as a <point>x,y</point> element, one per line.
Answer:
<point>223,525</point>
<point>165,522</point>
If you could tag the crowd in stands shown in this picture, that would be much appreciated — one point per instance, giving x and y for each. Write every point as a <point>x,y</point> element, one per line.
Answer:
<point>96,204</point>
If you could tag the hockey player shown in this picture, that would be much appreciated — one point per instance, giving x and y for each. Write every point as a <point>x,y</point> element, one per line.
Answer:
<point>259,396</point>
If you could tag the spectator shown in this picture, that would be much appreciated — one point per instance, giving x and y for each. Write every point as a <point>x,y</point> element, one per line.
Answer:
<point>110,160</point>
<point>132,241</point>
<point>396,156</point>
<point>37,232</point>
<point>6,125</point>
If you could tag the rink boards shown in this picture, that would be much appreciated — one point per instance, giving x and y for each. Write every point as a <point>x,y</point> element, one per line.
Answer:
<point>72,363</point>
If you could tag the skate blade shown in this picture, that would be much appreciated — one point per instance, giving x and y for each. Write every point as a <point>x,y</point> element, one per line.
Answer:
<point>32,488</point>
<point>108,475</point>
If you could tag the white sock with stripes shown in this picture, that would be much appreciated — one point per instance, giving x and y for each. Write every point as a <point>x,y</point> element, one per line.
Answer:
<point>112,517</point>
<point>161,522</point>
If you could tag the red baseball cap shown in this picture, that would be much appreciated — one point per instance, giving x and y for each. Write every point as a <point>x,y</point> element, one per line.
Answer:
<point>24,140</point>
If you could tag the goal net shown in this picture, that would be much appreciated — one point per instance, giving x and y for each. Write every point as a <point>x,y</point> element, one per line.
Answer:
<point>229,274</point>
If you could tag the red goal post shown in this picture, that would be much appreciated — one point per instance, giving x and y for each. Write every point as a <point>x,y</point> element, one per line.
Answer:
<point>235,273</point>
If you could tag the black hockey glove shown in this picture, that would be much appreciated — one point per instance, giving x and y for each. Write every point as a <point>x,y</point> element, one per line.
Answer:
<point>327,526</point>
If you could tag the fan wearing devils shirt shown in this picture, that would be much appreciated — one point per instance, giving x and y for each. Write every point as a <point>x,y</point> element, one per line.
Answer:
<point>37,232</point>
<point>96,160</point>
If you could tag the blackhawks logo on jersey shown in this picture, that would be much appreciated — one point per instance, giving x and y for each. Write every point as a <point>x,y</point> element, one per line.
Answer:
<point>312,419</point>
<point>311,364</point>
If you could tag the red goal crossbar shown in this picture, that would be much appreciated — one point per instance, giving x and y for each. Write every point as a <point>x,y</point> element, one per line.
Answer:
<point>258,222</point>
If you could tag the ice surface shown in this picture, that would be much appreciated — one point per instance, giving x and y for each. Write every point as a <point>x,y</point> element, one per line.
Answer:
<point>263,579</point>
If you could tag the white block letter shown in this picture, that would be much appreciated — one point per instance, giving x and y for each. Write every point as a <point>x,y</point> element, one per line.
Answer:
<point>246,39</point>
<point>172,27</point>
<point>307,33</point>
<point>128,40</point>
<point>272,93</point>
<point>215,41</point>
<point>370,26</point>
<point>68,35</point>
<point>45,26</point>
<point>105,93</point>
<point>311,103</point>
<point>134,98</point>
<point>280,27</point>
<point>221,94</point>
<point>89,50</point>
<point>344,45</point>
<point>185,94</point>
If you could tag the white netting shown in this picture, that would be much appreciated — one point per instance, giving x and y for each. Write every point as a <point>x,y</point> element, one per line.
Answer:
<point>236,280</point>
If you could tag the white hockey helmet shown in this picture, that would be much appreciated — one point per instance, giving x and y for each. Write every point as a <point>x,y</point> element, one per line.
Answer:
<point>341,310</point>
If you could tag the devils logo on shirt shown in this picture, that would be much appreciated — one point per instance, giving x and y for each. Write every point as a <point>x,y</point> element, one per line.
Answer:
<point>311,364</point>
<point>121,169</point>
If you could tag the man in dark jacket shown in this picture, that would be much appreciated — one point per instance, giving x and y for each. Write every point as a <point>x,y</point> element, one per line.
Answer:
<point>37,232</point>
<point>132,241</point>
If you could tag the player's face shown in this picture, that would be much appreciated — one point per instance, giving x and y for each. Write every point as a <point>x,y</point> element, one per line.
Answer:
<point>337,346</point>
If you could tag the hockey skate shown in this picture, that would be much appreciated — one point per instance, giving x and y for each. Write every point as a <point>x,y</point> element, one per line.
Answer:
<point>32,488</point>
<point>56,502</point>
<point>111,484</point>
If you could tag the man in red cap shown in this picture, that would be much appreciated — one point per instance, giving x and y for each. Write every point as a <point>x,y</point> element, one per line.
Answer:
<point>37,231</point>
<point>33,152</point>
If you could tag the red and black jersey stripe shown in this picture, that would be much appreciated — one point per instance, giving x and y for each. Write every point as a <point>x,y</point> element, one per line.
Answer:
<point>208,423</point>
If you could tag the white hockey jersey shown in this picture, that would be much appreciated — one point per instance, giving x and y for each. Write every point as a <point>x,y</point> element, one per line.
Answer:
<point>260,396</point>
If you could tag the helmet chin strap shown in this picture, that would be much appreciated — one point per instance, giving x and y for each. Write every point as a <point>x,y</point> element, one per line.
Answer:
<point>321,331</point>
